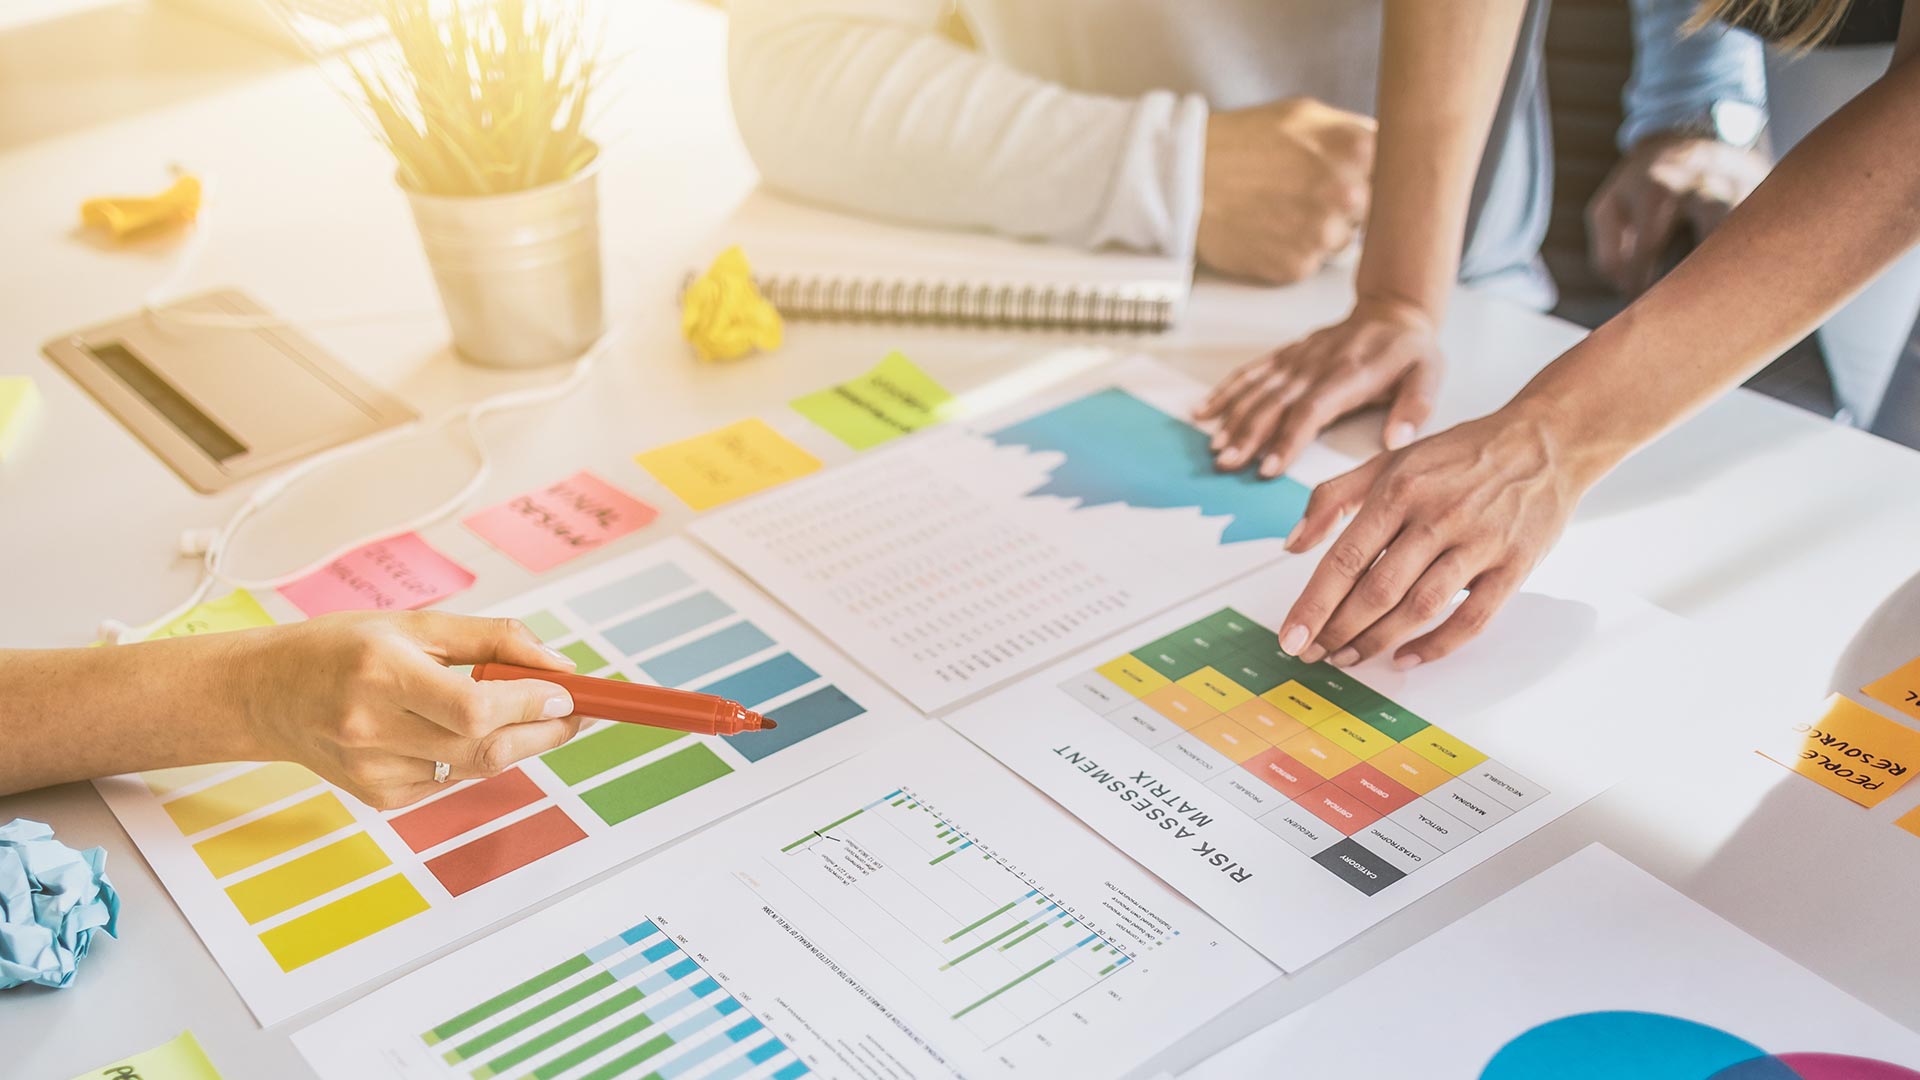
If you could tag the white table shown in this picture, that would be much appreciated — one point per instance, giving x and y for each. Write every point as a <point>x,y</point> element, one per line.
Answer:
<point>1775,532</point>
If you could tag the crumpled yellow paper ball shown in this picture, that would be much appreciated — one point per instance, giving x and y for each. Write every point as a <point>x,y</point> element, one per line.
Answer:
<point>126,216</point>
<point>723,314</point>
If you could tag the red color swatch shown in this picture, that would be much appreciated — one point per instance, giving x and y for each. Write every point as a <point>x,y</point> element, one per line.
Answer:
<point>466,809</point>
<point>503,851</point>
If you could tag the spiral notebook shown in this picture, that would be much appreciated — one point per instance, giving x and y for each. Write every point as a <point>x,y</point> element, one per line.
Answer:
<point>819,264</point>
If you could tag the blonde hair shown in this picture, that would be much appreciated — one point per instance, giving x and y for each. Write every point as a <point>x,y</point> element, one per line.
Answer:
<point>1795,24</point>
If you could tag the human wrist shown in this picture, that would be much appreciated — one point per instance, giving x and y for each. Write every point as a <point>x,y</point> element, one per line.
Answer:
<point>1586,438</point>
<point>1388,306</point>
<point>241,692</point>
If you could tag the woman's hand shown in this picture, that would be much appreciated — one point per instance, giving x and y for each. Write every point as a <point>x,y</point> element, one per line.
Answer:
<point>1474,507</point>
<point>1270,409</point>
<point>1284,188</point>
<point>368,701</point>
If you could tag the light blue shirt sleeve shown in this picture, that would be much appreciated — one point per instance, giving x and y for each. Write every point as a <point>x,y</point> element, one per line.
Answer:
<point>1677,76</point>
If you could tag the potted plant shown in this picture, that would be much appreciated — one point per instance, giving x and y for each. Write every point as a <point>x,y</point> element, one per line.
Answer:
<point>483,104</point>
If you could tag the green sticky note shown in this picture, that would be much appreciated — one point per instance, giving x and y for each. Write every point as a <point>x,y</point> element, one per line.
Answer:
<point>237,610</point>
<point>179,1058</point>
<point>19,401</point>
<point>891,400</point>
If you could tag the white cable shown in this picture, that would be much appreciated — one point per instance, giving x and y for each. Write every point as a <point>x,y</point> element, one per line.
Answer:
<point>212,546</point>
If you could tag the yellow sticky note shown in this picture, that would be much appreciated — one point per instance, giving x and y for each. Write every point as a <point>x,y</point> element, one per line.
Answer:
<point>237,610</point>
<point>1850,750</point>
<point>19,402</point>
<point>1900,689</point>
<point>723,315</point>
<point>1910,821</point>
<point>179,1058</point>
<point>727,463</point>
<point>127,216</point>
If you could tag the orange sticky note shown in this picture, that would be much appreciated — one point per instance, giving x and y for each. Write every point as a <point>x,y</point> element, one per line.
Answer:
<point>1851,750</point>
<point>1900,689</point>
<point>1910,821</point>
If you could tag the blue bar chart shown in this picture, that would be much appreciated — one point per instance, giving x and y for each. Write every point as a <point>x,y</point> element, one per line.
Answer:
<point>635,1005</point>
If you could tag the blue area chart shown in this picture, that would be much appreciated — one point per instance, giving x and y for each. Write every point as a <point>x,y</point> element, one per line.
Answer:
<point>1119,449</point>
<point>1654,1046</point>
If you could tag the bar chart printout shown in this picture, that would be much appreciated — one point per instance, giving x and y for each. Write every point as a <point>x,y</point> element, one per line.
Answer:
<point>302,892</point>
<point>894,937</point>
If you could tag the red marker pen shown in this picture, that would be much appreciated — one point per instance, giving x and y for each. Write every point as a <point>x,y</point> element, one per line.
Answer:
<point>637,703</point>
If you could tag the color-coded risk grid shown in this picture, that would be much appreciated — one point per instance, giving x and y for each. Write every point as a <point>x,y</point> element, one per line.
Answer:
<point>1356,782</point>
<point>635,1005</point>
<point>977,936</point>
<point>310,877</point>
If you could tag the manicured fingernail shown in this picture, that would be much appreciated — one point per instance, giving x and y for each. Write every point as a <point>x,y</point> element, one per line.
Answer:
<point>1292,641</point>
<point>1231,457</point>
<point>1345,657</point>
<point>558,705</point>
<point>1270,468</point>
<point>1314,654</point>
<point>1294,536</point>
<point>1398,435</point>
<point>557,656</point>
<point>1406,662</point>
<point>1219,440</point>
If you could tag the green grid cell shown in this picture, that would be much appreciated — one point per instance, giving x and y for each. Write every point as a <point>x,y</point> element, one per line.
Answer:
<point>545,625</point>
<point>585,660</point>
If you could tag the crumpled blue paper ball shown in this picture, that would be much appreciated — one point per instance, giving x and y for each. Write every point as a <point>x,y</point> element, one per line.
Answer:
<point>52,899</point>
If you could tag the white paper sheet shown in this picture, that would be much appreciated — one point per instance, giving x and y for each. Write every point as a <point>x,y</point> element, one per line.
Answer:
<point>967,554</point>
<point>301,892</point>
<point>1579,948</point>
<point>916,912</point>
<point>1301,805</point>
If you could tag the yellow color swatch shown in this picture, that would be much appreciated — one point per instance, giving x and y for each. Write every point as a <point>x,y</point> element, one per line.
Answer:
<point>1910,821</point>
<point>265,837</point>
<point>1851,750</point>
<point>1132,674</point>
<point>1360,739</point>
<point>164,782</point>
<point>237,610</point>
<point>1216,689</point>
<point>1900,689</point>
<point>19,403</point>
<point>243,794</point>
<point>727,463</point>
<point>1301,703</point>
<point>316,873</point>
<point>1236,742</point>
<point>1444,750</point>
<point>357,915</point>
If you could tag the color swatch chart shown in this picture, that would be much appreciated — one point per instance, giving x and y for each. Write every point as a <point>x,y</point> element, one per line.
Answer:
<point>989,944</point>
<point>635,1005</point>
<point>1355,782</point>
<point>304,873</point>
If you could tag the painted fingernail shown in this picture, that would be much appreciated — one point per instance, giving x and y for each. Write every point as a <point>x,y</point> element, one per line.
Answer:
<point>1406,662</point>
<point>1292,641</point>
<point>1398,435</point>
<point>1345,657</point>
<point>1314,654</point>
<point>557,656</point>
<point>558,705</point>
<point>1294,536</point>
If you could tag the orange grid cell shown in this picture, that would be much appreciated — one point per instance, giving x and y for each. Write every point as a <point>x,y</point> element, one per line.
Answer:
<point>1236,742</point>
<point>1319,753</point>
<point>1265,719</point>
<point>1409,768</point>
<point>1180,706</point>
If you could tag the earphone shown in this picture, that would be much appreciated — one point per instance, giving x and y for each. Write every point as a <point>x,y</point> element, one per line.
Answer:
<point>211,545</point>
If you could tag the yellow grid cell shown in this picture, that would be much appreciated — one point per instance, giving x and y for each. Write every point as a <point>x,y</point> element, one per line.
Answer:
<point>1216,689</point>
<point>1301,703</point>
<point>1354,736</point>
<point>1444,750</point>
<point>1130,673</point>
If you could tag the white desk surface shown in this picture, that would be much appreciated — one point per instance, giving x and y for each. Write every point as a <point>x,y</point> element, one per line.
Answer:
<point>1776,533</point>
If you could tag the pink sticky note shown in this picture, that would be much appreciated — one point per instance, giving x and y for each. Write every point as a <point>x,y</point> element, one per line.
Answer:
<point>542,529</point>
<point>397,573</point>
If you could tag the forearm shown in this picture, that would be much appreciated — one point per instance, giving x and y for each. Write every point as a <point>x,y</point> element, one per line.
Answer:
<point>863,105</point>
<point>1830,217</point>
<point>72,714</point>
<point>1441,68</point>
